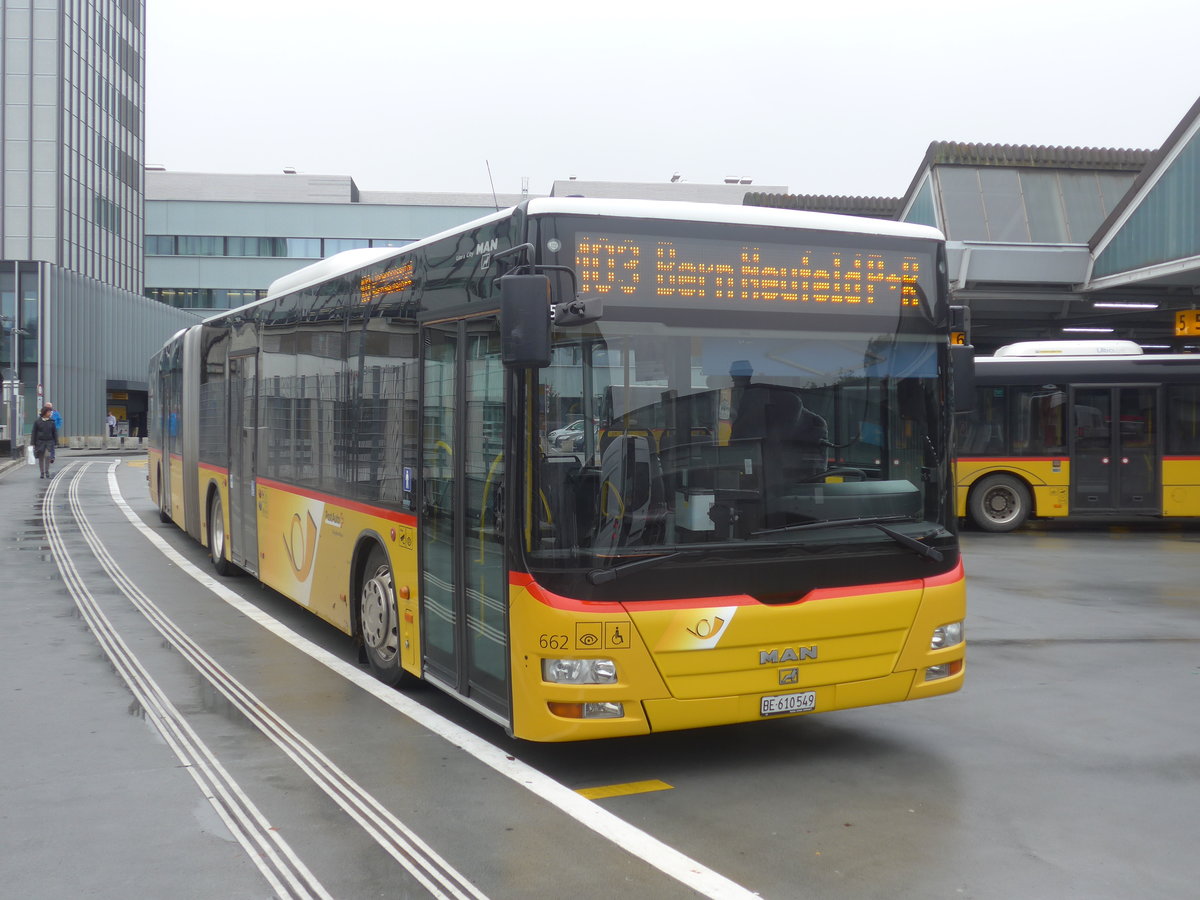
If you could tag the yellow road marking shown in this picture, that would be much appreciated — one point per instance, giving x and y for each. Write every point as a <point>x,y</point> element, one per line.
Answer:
<point>136,463</point>
<point>623,790</point>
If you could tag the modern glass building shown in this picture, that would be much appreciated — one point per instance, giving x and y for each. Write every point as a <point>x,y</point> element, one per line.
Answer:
<point>216,241</point>
<point>71,154</point>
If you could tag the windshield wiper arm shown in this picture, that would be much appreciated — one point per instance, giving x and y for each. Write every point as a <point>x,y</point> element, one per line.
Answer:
<point>911,543</point>
<point>875,522</point>
<point>833,523</point>
<point>603,576</point>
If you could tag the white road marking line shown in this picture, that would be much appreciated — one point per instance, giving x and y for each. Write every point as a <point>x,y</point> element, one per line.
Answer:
<point>262,843</point>
<point>401,843</point>
<point>633,840</point>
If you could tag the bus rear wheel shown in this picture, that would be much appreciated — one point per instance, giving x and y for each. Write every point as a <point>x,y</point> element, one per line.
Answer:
<point>999,503</point>
<point>216,537</point>
<point>378,621</point>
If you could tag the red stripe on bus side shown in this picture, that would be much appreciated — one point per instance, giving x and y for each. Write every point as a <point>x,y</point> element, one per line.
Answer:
<point>209,467</point>
<point>1020,459</point>
<point>556,601</point>
<point>958,573</point>
<point>389,514</point>
<point>1012,459</point>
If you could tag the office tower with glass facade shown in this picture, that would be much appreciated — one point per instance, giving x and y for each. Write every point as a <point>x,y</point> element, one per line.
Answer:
<point>71,154</point>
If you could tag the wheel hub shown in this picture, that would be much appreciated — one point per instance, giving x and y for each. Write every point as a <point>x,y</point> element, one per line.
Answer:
<point>999,504</point>
<point>378,611</point>
<point>216,531</point>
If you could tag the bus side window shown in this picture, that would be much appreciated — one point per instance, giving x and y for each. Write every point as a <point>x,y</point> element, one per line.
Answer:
<point>983,432</point>
<point>1183,418</point>
<point>1038,420</point>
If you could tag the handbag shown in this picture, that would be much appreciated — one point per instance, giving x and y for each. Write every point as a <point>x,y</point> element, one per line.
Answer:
<point>30,458</point>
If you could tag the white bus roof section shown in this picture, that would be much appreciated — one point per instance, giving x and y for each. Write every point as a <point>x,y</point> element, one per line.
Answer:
<point>1074,349</point>
<point>667,210</point>
<point>331,267</point>
<point>733,215</point>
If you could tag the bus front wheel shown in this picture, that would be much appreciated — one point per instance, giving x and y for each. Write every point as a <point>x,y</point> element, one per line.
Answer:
<point>999,503</point>
<point>378,622</point>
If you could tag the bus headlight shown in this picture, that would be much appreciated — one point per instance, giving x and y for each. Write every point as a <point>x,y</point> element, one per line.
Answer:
<point>946,636</point>
<point>579,671</point>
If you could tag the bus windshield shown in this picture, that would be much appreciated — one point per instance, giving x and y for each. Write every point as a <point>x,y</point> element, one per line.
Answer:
<point>695,437</point>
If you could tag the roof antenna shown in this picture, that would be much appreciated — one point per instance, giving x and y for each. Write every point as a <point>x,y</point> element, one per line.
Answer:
<point>493,184</point>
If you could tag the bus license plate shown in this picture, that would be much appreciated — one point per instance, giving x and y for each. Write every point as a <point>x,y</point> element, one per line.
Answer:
<point>789,703</point>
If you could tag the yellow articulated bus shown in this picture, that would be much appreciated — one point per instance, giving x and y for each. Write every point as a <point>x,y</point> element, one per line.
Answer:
<point>1080,428</point>
<point>759,522</point>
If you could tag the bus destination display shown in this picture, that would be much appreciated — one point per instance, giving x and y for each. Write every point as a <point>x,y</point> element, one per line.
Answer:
<point>649,268</point>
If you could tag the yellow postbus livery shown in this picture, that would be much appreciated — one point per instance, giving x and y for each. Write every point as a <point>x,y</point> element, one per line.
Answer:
<point>594,468</point>
<point>1080,428</point>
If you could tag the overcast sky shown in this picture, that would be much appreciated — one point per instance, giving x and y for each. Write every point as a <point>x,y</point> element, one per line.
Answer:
<point>822,97</point>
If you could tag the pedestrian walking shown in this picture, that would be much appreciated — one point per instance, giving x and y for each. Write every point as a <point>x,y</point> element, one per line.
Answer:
<point>44,438</point>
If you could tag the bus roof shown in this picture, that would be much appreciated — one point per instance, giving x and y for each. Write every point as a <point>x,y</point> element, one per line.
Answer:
<point>1027,349</point>
<point>1043,371</point>
<point>733,215</point>
<point>351,260</point>
<point>330,267</point>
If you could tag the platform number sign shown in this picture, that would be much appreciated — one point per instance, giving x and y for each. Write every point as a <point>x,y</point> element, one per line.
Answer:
<point>1187,323</point>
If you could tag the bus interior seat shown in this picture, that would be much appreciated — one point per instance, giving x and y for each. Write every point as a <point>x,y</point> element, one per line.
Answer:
<point>632,496</point>
<point>559,498</point>
<point>795,439</point>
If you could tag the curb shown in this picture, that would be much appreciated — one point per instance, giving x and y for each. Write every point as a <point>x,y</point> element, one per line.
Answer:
<point>7,464</point>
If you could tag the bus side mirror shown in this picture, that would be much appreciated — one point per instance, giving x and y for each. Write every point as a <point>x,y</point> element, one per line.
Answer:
<point>962,370</point>
<point>525,321</point>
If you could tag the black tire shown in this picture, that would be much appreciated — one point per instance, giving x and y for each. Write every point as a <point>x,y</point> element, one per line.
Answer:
<point>379,619</point>
<point>163,515</point>
<point>999,503</point>
<point>216,538</point>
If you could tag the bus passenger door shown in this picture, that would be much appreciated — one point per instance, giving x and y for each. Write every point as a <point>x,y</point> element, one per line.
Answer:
<point>1115,458</point>
<point>464,616</point>
<point>243,438</point>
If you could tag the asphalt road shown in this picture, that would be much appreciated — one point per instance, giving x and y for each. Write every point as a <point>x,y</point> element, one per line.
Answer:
<point>163,740</point>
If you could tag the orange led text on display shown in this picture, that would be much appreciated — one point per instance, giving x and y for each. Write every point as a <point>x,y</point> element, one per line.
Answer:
<point>390,282</point>
<point>852,278</point>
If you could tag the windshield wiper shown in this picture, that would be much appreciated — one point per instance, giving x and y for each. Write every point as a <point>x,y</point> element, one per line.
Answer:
<point>911,543</point>
<point>875,522</point>
<point>603,576</point>
<point>833,523</point>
